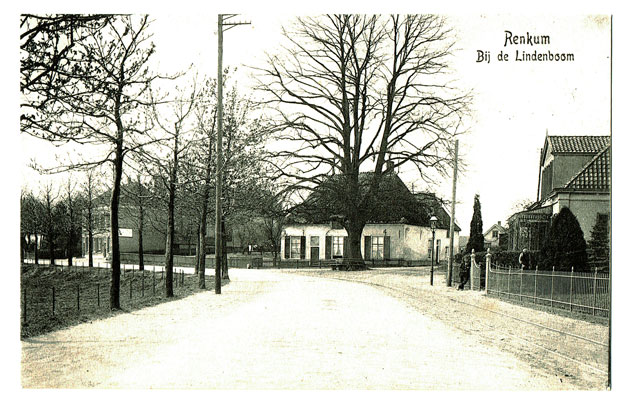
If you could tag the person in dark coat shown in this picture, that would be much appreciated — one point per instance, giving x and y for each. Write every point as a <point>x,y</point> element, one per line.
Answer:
<point>524,259</point>
<point>464,271</point>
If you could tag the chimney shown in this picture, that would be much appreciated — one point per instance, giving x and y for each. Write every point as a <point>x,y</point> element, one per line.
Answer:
<point>499,222</point>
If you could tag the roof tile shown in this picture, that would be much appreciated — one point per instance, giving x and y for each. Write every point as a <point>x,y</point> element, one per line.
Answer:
<point>595,175</point>
<point>578,144</point>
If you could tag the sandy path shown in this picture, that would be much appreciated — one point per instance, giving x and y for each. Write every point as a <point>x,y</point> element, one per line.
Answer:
<point>275,331</point>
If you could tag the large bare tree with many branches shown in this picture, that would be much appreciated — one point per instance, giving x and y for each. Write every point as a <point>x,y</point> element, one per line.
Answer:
<point>355,93</point>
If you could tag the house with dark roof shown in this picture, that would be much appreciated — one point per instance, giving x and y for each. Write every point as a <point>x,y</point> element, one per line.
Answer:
<point>398,227</point>
<point>574,173</point>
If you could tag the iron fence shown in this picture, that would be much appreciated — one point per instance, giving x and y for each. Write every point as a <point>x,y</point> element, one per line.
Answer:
<point>586,292</point>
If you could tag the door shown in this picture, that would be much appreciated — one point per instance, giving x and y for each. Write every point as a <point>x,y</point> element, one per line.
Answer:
<point>438,250</point>
<point>314,254</point>
<point>314,250</point>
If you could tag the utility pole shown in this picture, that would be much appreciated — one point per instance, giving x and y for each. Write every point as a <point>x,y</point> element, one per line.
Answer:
<point>452,225</point>
<point>218,187</point>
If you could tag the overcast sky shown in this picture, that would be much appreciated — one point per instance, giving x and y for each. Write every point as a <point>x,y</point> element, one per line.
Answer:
<point>515,102</point>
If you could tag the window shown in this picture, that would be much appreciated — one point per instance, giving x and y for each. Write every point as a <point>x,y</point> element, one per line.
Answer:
<point>495,234</point>
<point>377,247</point>
<point>314,241</point>
<point>430,249</point>
<point>295,247</point>
<point>337,246</point>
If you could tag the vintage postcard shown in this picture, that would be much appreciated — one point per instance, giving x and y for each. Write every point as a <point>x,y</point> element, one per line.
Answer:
<point>306,201</point>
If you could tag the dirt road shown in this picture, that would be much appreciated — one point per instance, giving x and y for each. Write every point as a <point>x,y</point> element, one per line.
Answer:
<point>270,330</point>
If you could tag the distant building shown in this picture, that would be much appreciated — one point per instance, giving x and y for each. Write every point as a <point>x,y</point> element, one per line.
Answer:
<point>399,229</point>
<point>493,235</point>
<point>574,173</point>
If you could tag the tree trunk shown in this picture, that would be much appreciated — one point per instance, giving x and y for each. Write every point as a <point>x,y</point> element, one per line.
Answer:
<point>169,254</point>
<point>140,237</point>
<point>203,218</point>
<point>169,247</point>
<point>90,236</point>
<point>70,242</point>
<point>36,249</point>
<point>115,252</point>
<point>224,259</point>
<point>354,259</point>
<point>51,246</point>
<point>70,253</point>
<point>196,263</point>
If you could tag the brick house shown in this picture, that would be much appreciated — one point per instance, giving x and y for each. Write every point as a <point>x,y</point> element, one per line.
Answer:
<point>575,172</point>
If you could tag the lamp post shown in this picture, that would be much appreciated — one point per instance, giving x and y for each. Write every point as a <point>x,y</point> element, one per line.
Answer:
<point>433,221</point>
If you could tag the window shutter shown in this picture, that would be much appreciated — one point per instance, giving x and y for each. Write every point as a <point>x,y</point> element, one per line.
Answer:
<point>345,247</point>
<point>329,247</point>
<point>302,247</point>
<point>367,247</point>
<point>387,247</point>
<point>287,247</point>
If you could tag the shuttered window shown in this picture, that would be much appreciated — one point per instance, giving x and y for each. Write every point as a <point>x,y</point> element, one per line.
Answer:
<point>337,246</point>
<point>296,249</point>
<point>377,247</point>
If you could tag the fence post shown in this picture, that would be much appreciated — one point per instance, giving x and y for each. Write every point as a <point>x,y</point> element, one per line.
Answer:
<point>509,272</point>
<point>594,293</point>
<point>182,275</point>
<point>488,261</point>
<point>535,283</point>
<point>472,269</point>
<point>78,297</point>
<point>521,286</point>
<point>571,289</point>
<point>553,272</point>
<point>142,281</point>
<point>162,269</point>
<point>153,280</point>
<point>131,288</point>
<point>53,301</point>
<point>98,295</point>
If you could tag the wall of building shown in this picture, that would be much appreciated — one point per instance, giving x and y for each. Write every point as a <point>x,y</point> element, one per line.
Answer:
<point>585,208</point>
<point>566,167</point>
<point>406,241</point>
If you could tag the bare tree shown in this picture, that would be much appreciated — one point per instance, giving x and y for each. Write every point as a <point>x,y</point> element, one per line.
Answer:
<point>73,204</point>
<point>178,140</point>
<point>206,117</point>
<point>91,191</point>
<point>32,220</point>
<point>50,226</point>
<point>47,62</point>
<point>100,103</point>
<point>355,92</point>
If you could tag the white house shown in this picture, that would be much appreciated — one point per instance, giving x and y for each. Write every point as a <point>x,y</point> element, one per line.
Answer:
<point>399,230</point>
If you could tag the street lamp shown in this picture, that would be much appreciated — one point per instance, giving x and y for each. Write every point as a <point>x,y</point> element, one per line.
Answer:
<point>433,221</point>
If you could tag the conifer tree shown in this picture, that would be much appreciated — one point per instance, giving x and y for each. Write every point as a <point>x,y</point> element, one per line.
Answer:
<point>476,235</point>
<point>599,244</point>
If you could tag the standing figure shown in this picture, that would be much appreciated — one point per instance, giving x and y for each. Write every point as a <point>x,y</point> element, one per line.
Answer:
<point>464,271</point>
<point>524,259</point>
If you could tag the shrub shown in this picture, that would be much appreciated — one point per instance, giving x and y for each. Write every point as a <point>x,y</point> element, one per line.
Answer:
<point>565,246</point>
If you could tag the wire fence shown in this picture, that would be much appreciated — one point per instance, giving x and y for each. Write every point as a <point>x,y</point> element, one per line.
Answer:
<point>586,292</point>
<point>50,291</point>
